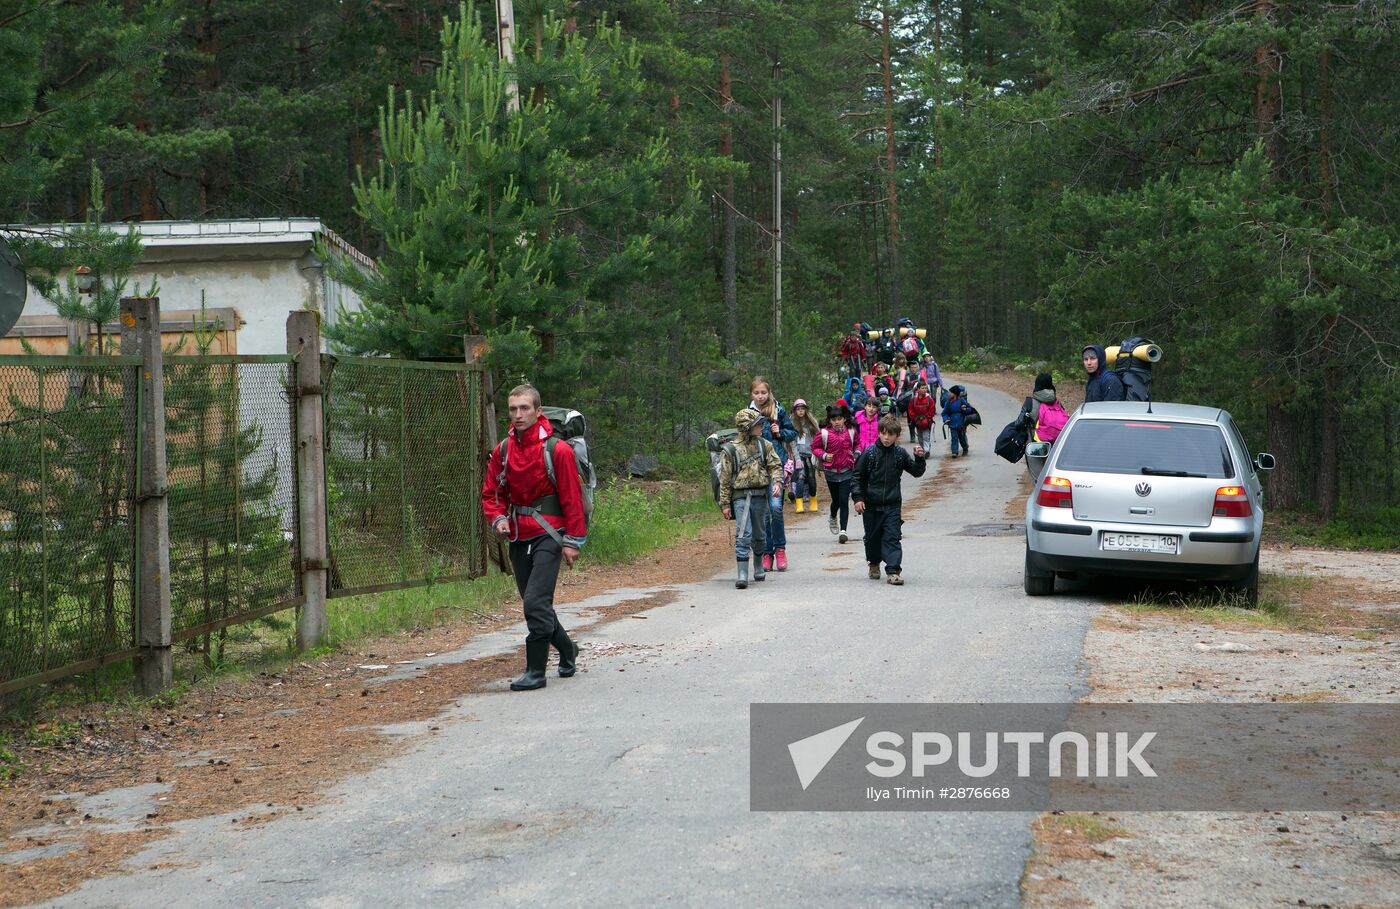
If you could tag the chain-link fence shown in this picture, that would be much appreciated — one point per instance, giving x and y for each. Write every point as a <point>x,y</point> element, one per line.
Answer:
<point>68,434</point>
<point>231,489</point>
<point>404,453</point>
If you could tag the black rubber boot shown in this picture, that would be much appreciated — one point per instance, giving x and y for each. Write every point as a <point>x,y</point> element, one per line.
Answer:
<point>742,580</point>
<point>536,655</point>
<point>758,573</point>
<point>568,652</point>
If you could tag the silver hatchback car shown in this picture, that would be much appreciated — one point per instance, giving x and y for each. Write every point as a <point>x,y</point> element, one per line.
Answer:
<point>1166,491</point>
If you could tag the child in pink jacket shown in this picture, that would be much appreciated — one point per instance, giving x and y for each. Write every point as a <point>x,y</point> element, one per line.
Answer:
<point>868,425</point>
<point>833,447</point>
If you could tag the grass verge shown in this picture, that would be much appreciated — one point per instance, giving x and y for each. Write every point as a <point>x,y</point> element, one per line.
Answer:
<point>1372,530</point>
<point>1288,602</point>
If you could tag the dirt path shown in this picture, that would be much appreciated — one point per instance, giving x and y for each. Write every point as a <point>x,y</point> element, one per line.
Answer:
<point>84,803</point>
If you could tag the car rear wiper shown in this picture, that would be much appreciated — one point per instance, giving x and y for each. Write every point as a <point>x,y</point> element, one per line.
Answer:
<point>1155,472</point>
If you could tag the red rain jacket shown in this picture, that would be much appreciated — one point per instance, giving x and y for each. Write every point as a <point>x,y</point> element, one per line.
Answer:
<point>527,481</point>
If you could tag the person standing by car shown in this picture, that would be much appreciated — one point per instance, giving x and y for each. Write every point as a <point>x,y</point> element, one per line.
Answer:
<point>1102,385</point>
<point>544,521</point>
<point>1045,416</point>
<point>875,489</point>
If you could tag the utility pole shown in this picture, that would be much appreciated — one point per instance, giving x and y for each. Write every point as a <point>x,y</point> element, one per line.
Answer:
<point>505,47</point>
<point>777,211</point>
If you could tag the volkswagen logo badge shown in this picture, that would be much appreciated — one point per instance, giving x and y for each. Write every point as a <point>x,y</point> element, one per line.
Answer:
<point>1143,489</point>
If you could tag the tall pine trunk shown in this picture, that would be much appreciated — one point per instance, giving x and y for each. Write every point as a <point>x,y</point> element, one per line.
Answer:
<point>1283,432</point>
<point>729,251</point>
<point>1329,461</point>
<point>891,188</point>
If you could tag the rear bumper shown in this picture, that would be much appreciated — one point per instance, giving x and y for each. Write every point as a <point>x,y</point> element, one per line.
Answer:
<point>1184,571</point>
<point>1224,551</point>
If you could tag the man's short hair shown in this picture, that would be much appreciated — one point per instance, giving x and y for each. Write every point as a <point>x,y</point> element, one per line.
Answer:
<point>526,391</point>
<point>891,423</point>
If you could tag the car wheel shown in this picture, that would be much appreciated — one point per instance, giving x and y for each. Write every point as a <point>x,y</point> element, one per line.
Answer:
<point>1036,583</point>
<point>1245,591</point>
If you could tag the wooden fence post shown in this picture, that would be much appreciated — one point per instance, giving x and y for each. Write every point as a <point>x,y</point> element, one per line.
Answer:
<point>304,343</point>
<point>475,348</point>
<point>140,320</point>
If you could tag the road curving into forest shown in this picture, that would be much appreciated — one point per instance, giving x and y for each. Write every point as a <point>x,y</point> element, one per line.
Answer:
<point>628,785</point>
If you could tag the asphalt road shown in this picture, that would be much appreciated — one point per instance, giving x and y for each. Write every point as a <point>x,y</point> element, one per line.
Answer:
<point>628,784</point>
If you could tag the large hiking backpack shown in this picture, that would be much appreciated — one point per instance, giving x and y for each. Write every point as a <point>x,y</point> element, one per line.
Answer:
<point>570,428</point>
<point>1133,366</point>
<point>721,445</point>
<point>715,444</point>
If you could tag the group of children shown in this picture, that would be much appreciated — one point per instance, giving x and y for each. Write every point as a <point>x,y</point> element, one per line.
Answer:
<point>860,458</point>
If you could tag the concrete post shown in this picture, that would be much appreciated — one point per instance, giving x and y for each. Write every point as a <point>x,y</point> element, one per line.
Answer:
<point>304,343</point>
<point>140,319</point>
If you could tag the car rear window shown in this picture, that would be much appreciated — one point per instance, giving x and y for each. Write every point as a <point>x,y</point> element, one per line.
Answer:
<point>1127,446</point>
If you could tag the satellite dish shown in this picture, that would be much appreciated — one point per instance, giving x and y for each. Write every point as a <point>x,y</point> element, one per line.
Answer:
<point>12,288</point>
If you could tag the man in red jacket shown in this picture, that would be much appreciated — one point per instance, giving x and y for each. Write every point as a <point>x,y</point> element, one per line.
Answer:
<point>544,522</point>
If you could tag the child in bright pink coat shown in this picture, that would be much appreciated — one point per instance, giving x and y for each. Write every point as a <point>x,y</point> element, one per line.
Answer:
<point>868,425</point>
<point>833,448</point>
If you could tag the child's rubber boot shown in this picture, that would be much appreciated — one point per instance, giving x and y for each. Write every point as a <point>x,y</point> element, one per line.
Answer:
<point>742,581</point>
<point>760,568</point>
<point>812,503</point>
<point>780,559</point>
<point>799,504</point>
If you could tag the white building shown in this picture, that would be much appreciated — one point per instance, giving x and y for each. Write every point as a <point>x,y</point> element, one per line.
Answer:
<point>251,272</point>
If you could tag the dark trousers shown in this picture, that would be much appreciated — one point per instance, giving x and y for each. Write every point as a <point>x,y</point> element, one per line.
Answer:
<point>882,535</point>
<point>840,501</point>
<point>536,567</point>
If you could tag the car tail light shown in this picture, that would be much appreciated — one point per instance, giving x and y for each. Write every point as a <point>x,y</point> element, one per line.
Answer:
<point>1055,492</point>
<point>1232,502</point>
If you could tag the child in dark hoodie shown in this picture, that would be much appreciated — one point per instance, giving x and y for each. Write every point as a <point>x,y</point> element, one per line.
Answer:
<point>1103,385</point>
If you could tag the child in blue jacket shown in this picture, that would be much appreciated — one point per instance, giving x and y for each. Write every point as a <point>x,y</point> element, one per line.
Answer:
<point>955,412</point>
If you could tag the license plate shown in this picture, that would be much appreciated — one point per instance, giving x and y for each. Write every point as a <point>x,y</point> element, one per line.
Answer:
<point>1167,543</point>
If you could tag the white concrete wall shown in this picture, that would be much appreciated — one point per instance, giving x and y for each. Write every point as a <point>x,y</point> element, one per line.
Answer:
<point>263,291</point>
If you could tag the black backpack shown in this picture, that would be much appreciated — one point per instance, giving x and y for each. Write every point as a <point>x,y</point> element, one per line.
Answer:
<point>1133,367</point>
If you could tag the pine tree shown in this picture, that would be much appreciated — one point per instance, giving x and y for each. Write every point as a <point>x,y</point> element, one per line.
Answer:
<point>66,452</point>
<point>509,225</point>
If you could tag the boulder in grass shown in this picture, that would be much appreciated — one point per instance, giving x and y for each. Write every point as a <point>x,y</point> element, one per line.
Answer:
<point>647,467</point>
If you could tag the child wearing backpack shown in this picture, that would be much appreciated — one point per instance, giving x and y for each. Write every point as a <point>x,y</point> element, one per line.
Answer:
<point>922,410</point>
<point>804,483</point>
<point>750,474</point>
<point>834,447</point>
<point>1046,417</point>
<point>955,413</point>
<point>875,489</point>
<point>868,425</point>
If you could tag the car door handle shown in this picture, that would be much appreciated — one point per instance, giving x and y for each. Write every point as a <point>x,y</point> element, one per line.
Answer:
<point>1142,509</point>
